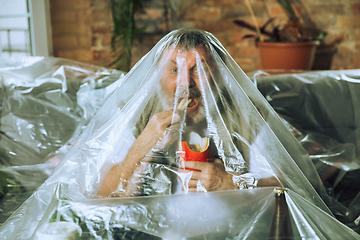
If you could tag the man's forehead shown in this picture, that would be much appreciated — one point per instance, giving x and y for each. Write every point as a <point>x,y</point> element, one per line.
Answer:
<point>174,53</point>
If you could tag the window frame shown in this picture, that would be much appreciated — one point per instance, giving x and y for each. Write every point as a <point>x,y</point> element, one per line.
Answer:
<point>39,25</point>
<point>40,28</point>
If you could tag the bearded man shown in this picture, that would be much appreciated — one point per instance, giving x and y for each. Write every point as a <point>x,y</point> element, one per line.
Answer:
<point>189,73</point>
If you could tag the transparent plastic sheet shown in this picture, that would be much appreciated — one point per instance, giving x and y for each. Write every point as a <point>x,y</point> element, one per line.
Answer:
<point>321,109</point>
<point>44,105</point>
<point>128,175</point>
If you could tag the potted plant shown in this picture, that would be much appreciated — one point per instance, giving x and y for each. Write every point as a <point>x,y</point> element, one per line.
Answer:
<point>291,46</point>
<point>124,30</point>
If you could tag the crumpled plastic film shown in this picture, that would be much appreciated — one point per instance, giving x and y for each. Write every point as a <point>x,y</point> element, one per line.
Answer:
<point>321,110</point>
<point>44,105</point>
<point>185,148</point>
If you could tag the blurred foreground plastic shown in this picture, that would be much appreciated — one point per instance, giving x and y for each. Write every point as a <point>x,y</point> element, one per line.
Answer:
<point>44,105</point>
<point>322,110</point>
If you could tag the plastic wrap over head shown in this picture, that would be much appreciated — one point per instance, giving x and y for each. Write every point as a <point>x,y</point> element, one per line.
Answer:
<point>185,119</point>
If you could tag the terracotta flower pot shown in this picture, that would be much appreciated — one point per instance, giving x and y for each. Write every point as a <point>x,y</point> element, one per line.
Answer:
<point>287,55</point>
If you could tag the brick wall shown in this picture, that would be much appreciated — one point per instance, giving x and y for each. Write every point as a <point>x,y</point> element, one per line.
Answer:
<point>82,28</point>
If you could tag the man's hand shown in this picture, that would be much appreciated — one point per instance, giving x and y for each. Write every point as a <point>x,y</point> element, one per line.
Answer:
<point>212,176</point>
<point>161,130</point>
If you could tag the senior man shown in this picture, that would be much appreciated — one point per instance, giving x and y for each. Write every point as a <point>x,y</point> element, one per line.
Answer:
<point>189,76</point>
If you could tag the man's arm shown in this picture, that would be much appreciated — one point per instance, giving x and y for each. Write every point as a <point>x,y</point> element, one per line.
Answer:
<point>159,132</point>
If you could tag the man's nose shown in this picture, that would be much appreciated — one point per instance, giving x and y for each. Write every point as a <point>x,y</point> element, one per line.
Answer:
<point>186,79</point>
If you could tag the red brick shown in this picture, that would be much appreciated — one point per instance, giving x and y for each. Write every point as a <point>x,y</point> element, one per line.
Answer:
<point>164,27</point>
<point>63,16</point>
<point>186,23</point>
<point>225,3</point>
<point>355,8</point>
<point>334,35</point>
<point>217,26</point>
<point>84,41</point>
<point>223,37</point>
<point>84,55</point>
<point>354,35</point>
<point>346,48</point>
<point>150,28</point>
<point>239,1</point>
<point>101,4</point>
<point>107,55</point>
<point>101,15</point>
<point>258,64</point>
<point>258,8</point>
<point>237,37</point>
<point>65,42</point>
<point>101,27</point>
<point>70,28</point>
<point>275,10</point>
<point>203,13</point>
<point>357,46</point>
<point>348,21</point>
<point>70,4</point>
<point>237,12</point>
<point>249,52</point>
<point>356,60</point>
<point>97,42</point>
<point>325,21</point>
<point>341,61</point>
<point>84,16</point>
<point>151,13</point>
<point>246,64</point>
<point>96,55</point>
<point>107,39</point>
<point>232,50</point>
<point>327,9</point>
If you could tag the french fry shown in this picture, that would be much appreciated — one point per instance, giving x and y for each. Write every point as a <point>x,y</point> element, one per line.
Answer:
<point>184,103</point>
<point>206,143</point>
<point>198,147</point>
<point>198,143</point>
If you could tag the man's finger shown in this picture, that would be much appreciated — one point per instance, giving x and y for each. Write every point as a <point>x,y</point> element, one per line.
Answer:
<point>192,189</point>
<point>175,127</point>
<point>218,161</point>
<point>166,113</point>
<point>195,165</point>
<point>196,175</point>
<point>192,183</point>
<point>169,114</point>
<point>193,186</point>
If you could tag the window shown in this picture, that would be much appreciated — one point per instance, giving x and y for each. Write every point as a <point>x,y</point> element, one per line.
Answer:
<point>25,28</point>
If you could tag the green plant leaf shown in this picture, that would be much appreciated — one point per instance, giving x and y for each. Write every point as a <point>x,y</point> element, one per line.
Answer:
<point>123,12</point>
<point>288,9</point>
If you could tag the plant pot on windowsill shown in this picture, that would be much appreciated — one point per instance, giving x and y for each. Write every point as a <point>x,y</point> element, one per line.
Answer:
<point>287,46</point>
<point>287,55</point>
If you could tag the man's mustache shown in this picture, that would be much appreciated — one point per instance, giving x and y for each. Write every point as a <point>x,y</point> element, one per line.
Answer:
<point>191,92</point>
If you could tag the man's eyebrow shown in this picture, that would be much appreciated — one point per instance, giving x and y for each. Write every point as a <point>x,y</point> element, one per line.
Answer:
<point>203,60</point>
<point>174,62</point>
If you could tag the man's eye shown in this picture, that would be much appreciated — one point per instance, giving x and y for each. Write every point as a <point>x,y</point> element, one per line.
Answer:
<point>174,70</point>
<point>197,70</point>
